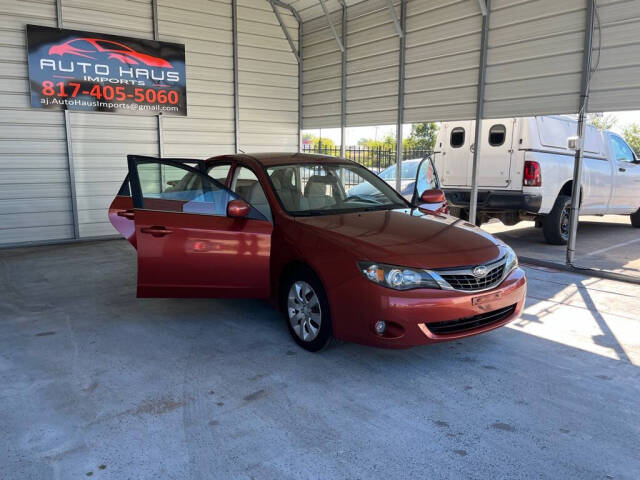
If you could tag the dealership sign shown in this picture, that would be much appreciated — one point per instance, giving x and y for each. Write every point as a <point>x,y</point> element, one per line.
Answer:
<point>75,70</point>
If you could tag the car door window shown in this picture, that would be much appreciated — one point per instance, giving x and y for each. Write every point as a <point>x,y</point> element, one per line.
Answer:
<point>220,172</point>
<point>246,184</point>
<point>187,191</point>
<point>622,151</point>
<point>426,178</point>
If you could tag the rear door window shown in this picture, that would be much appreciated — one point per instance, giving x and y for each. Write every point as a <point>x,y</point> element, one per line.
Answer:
<point>457,137</point>
<point>497,135</point>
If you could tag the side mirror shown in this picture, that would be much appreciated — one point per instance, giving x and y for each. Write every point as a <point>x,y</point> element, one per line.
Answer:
<point>238,209</point>
<point>432,196</point>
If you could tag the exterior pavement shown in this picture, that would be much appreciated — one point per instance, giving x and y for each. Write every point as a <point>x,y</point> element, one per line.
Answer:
<point>96,382</point>
<point>608,243</point>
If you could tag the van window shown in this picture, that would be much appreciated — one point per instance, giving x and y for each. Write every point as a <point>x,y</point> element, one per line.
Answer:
<point>497,134</point>
<point>457,137</point>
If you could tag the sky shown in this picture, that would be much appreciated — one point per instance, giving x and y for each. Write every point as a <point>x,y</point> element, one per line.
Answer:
<point>356,133</point>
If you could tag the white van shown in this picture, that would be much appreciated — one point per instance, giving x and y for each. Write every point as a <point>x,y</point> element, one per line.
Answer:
<point>526,170</point>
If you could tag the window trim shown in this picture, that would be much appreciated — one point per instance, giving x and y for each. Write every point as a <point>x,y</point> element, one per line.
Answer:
<point>504,137</point>
<point>464,137</point>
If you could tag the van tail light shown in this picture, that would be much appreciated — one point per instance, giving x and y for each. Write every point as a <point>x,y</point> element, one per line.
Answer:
<point>532,176</point>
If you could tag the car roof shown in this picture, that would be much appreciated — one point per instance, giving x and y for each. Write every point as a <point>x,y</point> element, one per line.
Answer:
<point>269,159</point>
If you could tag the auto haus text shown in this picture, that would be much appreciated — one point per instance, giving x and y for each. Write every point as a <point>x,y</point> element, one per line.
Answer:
<point>101,73</point>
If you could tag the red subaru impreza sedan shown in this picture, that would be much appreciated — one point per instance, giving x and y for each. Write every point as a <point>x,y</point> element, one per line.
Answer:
<point>340,252</point>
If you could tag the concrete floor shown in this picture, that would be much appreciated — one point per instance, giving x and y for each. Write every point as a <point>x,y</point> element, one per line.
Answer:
<point>608,242</point>
<point>97,383</point>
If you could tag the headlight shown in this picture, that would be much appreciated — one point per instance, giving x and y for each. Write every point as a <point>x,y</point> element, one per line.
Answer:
<point>511,261</point>
<point>398,278</point>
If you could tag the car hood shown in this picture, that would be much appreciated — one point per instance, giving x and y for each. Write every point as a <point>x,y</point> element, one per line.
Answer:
<point>408,238</point>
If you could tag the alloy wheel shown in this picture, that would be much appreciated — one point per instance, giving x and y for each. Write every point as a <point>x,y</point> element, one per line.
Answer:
<point>303,308</point>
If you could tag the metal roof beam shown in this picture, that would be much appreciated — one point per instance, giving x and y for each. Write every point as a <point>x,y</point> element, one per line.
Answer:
<point>284,29</point>
<point>396,22</point>
<point>483,7</point>
<point>333,29</point>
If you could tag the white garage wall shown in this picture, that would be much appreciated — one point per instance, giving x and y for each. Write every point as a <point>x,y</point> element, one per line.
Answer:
<point>321,76</point>
<point>616,84</point>
<point>205,29</point>
<point>34,179</point>
<point>535,55</point>
<point>442,59</point>
<point>267,79</point>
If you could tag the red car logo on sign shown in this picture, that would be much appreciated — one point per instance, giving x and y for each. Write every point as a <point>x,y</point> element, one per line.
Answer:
<point>96,47</point>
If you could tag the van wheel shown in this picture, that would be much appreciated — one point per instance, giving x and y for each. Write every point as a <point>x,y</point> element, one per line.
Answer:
<point>555,225</point>
<point>306,310</point>
<point>635,219</point>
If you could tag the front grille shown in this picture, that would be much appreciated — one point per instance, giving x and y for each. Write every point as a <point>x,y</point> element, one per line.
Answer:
<point>465,324</point>
<point>468,282</point>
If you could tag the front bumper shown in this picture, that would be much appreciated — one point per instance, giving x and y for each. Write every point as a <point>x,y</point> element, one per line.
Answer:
<point>359,304</point>
<point>496,200</point>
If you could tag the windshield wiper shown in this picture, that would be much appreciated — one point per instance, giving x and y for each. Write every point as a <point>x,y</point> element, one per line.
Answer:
<point>361,198</point>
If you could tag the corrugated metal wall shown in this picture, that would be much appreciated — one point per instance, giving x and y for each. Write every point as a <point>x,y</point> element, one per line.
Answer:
<point>534,61</point>
<point>321,74</point>
<point>268,79</point>
<point>34,179</point>
<point>35,203</point>
<point>442,58</point>
<point>101,141</point>
<point>616,84</point>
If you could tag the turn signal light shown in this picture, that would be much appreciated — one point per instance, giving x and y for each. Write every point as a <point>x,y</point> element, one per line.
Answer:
<point>532,176</point>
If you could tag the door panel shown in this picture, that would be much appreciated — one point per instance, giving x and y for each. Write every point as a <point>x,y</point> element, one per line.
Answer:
<point>496,149</point>
<point>627,177</point>
<point>187,245</point>
<point>202,256</point>
<point>457,155</point>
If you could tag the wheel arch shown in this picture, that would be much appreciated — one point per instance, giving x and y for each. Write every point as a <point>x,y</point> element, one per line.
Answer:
<point>288,269</point>
<point>567,189</point>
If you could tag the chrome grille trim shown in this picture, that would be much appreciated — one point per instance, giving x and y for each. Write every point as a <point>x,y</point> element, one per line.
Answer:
<point>463,279</point>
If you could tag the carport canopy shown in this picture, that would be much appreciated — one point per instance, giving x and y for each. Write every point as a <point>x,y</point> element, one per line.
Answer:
<point>377,62</point>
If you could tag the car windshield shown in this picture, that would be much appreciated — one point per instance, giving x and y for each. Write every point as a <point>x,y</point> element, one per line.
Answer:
<point>325,189</point>
<point>409,169</point>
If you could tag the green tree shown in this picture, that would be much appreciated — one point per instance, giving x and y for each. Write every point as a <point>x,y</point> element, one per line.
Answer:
<point>422,136</point>
<point>602,121</point>
<point>315,142</point>
<point>631,134</point>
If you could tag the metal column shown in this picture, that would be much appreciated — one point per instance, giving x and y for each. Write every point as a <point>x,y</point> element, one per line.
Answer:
<point>401,68</point>
<point>70,163</point>
<point>482,71</point>
<point>343,85</point>
<point>156,36</point>
<point>236,102</point>
<point>584,103</point>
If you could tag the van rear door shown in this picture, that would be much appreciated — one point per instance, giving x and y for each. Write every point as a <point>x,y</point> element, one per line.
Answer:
<point>455,170</point>
<point>496,151</point>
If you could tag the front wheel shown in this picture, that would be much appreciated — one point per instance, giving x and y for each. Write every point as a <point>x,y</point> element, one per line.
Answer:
<point>306,310</point>
<point>555,225</point>
<point>635,219</point>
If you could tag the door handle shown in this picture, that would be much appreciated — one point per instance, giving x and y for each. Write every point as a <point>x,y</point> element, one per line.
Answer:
<point>127,214</point>
<point>620,169</point>
<point>156,231</point>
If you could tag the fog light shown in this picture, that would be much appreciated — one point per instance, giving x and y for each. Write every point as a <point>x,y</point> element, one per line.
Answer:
<point>381,326</point>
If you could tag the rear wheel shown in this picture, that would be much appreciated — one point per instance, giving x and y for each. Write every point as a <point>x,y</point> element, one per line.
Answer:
<point>555,225</point>
<point>306,310</point>
<point>635,219</point>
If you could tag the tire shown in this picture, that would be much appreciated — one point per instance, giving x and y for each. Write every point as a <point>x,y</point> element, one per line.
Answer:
<point>635,219</point>
<point>303,294</point>
<point>555,225</point>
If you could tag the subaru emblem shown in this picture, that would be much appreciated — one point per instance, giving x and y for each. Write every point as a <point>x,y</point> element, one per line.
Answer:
<point>480,271</point>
